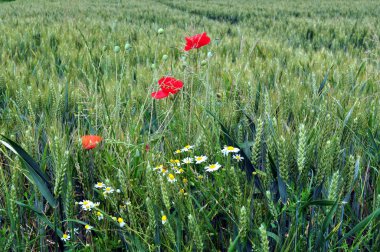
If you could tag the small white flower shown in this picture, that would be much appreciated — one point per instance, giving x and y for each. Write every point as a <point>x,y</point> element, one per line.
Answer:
<point>200,159</point>
<point>213,167</point>
<point>187,148</point>
<point>100,185</point>
<point>87,205</point>
<point>229,149</point>
<point>100,215</point>
<point>237,157</point>
<point>88,228</point>
<point>118,190</point>
<point>171,178</point>
<point>121,222</point>
<point>179,171</point>
<point>187,160</point>
<point>177,152</point>
<point>159,167</point>
<point>108,190</point>
<point>65,237</point>
<point>164,219</point>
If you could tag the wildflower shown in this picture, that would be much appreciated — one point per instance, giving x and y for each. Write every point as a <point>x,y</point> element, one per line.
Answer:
<point>88,228</point>
<point>164,171</point>
<point>237,157</point>
<point>197,41</point>
<point>213,167</point>
<point>177,152</point>
<point>187,160</point>
<point>229,149</point>
<point>100,215</point>
<point>121,222</point>
<point>90,141</point>
<point>185,181</point>
<point>200,159</point>
<point>175,162</point>
<point>168,85</point>
<point>182,191</point>
<point>200,177</point>
<point>100,185</point>
<point>159,167</point>
<point>171,178</point>
<point>179,171</point>
<point>108,190</point>
<point>87,205</point>
<point>65,237</point>
<point>164,219</point>
<point>187,148</point>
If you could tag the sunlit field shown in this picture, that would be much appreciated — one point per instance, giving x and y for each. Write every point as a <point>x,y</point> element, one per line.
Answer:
<point>189,125</point>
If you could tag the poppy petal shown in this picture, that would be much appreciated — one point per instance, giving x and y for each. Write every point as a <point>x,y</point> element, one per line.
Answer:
<point>197,41</point>
<point>90,141</point>
<point>170,84</point>
<point>160,94</point>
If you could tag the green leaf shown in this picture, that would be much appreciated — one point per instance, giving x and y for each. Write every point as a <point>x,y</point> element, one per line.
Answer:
<point>42,217</point>
<point>33,172</point>
<point>359,228</point>
<point>233,245</point>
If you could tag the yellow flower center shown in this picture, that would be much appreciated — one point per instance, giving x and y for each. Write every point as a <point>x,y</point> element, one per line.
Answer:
<point>164,218</point>
<point>87,227</point>
<point>178,151</point>
<point>65,236</point>
<point>230,148</point>
<point>199,158</point>
<point>181,170</point>
<point>100,184</point>
<point>120,220</point>
<point>176,161</point>
<point>108,189</point>
<point>171,176</point>
<point>187,146</point>
<point>213,166</point>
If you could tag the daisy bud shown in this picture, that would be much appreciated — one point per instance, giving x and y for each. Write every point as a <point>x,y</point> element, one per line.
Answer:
<point>127,46</point>
<point>116,49</point>
<point>165,57</point>
<point>160,31</point>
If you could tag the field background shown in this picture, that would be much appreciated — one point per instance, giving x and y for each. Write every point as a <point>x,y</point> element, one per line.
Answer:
<point>294,84</point>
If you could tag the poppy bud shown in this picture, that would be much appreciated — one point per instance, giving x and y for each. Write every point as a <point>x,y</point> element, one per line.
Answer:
<point>153,66</point>
<point>160,31</point>
<point>127,46</point>
<point>209,54</point>
<point>203,62</point>
<point>116,49</point>
<point>147,147</point>
<point>165,57</point>
<point>104,48</point>
<point>219,95</point>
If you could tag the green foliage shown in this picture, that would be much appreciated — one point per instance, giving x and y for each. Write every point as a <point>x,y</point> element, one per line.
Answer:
<point>293,84</point>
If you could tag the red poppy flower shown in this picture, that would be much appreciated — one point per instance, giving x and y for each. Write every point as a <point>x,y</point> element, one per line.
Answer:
<point>168,85</point>
<point>197,41</point>
<point>90,141</point>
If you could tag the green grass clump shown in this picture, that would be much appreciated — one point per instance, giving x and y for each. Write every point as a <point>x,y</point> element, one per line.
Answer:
<point>293,85</point>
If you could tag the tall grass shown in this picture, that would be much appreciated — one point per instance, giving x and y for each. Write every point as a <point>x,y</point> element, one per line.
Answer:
<point>295,86</point>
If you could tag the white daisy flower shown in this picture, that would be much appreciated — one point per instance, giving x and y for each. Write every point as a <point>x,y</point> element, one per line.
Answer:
<point>100,185</point>
<point>177,152</point>
<point>65,237</point>
<point>100,215</point>
<point>187,148</point>
<point>121,222</point>
<point>213,167</point>
<point>159,167</point>
<point>171,178</point>
<point>108,190</point>
<point>88,228</point>
<point>179,171</point>
<point>187,160</point>
<point>87,205</point>
<point>237,157</point>
<point>200,159</point>
<point>164,219</point>
<point>229,149</point>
